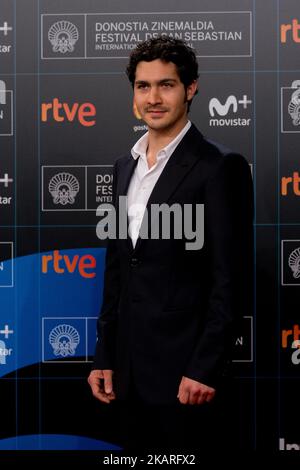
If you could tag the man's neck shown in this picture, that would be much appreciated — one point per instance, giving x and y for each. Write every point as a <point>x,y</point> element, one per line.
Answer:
<point>158,139</point>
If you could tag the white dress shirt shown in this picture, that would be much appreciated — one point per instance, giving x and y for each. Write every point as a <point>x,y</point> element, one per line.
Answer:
<point>144,179</point>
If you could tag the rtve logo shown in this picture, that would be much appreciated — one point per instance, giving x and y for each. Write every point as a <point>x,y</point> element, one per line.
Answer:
<point>292,29</point>
<point>291,338</point>
<point>85,265</point>
<point>290,183</point>
<point>60,112</point>
<point>293,334</point>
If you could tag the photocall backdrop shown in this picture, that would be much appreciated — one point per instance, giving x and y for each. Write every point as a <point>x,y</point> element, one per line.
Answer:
<point>65,116</point>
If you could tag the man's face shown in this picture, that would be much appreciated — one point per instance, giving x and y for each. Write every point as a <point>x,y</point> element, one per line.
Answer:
<point>160,96</point>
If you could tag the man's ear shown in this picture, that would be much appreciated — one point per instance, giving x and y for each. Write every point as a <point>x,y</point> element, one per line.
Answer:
<point>191,90</point>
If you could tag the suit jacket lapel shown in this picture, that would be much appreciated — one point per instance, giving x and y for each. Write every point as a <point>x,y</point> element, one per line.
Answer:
<point>125,175</point>
<point>185,156</point>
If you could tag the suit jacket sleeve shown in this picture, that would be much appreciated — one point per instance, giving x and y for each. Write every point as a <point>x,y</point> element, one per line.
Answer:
<point>228,229</point>
<point>106,325</point>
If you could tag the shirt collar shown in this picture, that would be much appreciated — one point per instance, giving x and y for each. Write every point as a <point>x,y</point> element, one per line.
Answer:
<point>140,147</point>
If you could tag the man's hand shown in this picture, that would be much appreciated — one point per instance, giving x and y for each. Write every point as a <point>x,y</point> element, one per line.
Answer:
<point>100,382</point>
<point>191,392</point>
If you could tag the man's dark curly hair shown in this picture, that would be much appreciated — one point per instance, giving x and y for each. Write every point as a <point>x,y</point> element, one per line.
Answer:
<point>166,49</point>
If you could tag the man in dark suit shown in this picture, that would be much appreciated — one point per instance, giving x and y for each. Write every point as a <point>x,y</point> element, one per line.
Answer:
<point>165,328</point>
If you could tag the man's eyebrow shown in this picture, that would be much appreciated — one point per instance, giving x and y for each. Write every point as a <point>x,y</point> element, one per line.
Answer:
<point>167,80</point>
<point>164,80</point>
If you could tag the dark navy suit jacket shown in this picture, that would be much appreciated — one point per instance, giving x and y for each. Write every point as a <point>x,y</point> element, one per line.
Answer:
<point>167,311</point>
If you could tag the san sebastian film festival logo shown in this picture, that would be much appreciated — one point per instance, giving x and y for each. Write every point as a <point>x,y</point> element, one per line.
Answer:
<point>290,262</point>
<point>64,340</point>
<point>63,188</point>
<point>68,339</point>
<point>290,108</point>
<point>76,187</point>
<point>114,35</point>
<point>63,36</point>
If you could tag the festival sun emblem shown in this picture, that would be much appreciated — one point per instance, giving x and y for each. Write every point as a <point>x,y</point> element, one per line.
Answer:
<point>63,36</point>
<point>294,262</point>
<point>63,188</point>
<point>64,340</point>
<point>294,104</point>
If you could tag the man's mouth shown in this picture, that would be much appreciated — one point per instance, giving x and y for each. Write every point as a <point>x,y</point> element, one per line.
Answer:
<point>156,111</point>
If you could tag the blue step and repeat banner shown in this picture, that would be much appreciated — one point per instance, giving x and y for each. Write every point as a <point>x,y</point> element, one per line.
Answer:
<point>65,116</point>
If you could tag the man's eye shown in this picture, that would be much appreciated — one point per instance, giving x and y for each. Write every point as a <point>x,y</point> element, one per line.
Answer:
<point>167,85</point>
<point>141,86</point>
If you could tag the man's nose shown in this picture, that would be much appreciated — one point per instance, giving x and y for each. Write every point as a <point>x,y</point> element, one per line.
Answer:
<point>154,95</point>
